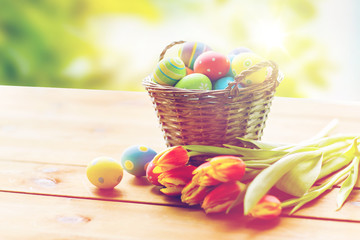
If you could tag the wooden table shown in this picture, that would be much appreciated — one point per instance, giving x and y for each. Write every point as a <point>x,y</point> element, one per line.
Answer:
<point>48,136</point>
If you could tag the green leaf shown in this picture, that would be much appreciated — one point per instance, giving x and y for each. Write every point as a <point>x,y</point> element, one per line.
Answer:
<point>348,185</point>
<point>211,150</point>
<point>315,192</point>
<point>268,177</point>
<point>256,153</point>
<point>260,144</point>
<point>339,162</point>
<point>301,177</point>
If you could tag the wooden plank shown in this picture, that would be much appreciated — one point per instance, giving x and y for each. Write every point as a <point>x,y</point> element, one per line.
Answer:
<point>70,181</point>
<point>42,217</point>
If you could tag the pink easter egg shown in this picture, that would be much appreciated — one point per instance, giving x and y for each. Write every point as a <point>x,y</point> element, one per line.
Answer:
<point>151,176</point>
<point>212,64</point>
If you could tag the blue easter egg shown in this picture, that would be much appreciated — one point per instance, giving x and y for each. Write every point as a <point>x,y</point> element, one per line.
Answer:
<point>136,158</point>
<point>223,83</point>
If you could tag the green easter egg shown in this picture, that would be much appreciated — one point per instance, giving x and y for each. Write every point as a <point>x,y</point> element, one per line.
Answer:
<point>195,81</point>
<point>169,71</point>
<point>244,61</point>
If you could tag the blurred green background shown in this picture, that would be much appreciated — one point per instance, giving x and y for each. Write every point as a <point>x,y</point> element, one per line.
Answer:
<point>114,44</point>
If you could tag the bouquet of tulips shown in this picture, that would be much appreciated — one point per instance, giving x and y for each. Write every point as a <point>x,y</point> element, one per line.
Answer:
<point>238,175</point>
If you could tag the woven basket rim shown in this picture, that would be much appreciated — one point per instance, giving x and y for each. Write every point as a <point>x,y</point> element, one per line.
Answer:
<point>269,82</point>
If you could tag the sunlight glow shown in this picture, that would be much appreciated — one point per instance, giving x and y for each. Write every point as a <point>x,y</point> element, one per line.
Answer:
<point>269,34</point>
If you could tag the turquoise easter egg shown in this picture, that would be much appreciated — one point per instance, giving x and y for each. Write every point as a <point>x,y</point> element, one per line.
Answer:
<point>223,83</point>
<point>195,81</point>
<point>189,52</point>
<point>135,159</point>
<point>169,71</point>
<point>243,62</point>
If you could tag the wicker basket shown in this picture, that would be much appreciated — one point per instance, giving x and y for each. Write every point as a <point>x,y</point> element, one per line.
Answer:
<point>213,117</point>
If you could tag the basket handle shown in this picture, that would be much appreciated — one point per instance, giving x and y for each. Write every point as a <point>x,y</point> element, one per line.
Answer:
<point>234,86</point>
<point>162,54</point>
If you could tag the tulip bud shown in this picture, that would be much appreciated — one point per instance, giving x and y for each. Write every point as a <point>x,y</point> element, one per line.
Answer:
<point>175,179</point>
<point>267,208</point>
<point>223,197</point>
<point>193,193</point>
<point>170,158</point>
<point>227,168</point>
<point>220,169</point>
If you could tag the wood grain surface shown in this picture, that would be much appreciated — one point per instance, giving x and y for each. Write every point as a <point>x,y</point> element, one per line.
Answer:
<point>48,136</point>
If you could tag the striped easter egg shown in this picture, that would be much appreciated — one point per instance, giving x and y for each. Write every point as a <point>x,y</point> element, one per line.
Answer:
<point>169,71</point>
<point>189,51</point>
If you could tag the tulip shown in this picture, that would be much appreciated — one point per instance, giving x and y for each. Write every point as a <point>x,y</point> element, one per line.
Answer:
<point>176,179</point>
<point>170,158</point>
<point>223,197</point>
<point>220,169</point>
<point>267,208</point>
<point>194,194</point>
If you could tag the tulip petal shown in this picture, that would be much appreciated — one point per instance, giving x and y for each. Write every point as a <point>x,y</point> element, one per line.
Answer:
<point>227,168</point>
<point>267,208</point>
<point>194,194</point>
<point>170,158</point>
<point>223,197</point>
<point>172,191</point>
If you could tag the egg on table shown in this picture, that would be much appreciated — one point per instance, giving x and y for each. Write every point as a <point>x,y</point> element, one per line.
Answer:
<point>243,62</point>
<point>212,64</point>
<point>136,158</point>
<point>189,51</point>
<point>169,71</point>
<point>195,81</point>
<point>104,172</point>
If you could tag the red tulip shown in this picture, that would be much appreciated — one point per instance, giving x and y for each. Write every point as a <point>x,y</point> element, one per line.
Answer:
<point>170,158</point>
<point>220,169</point>
<point>268,207</point>
<point>176,179</point>
<point>223,197</point>
<point>193,193</point>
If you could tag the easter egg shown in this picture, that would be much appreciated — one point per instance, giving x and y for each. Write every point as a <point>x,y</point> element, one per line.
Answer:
<point>238,51</point>
<point>152,177</point>
<point>213,64</point>
<point>136,158</point>
<point>223,83</point>
<point>104,172</point>
<point>189,52</point>
<point>195,81</point>
<point>230,72</point>
<point>244,61</point>
<point>169,71</point>
<point>189,71</point>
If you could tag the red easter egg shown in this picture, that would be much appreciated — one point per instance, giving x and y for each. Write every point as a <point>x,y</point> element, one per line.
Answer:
<point>152,177</point>
<point>212,64</point>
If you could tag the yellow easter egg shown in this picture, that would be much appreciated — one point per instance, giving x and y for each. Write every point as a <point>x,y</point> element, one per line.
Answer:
<point>104,172</point>
<point>243,62</point>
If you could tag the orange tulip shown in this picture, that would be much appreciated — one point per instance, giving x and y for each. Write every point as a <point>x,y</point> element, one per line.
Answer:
<point>193,193</point>
<point>220,169</point>
<point>268,207</point>
<point>170,158</point>
<point>175,180</point>
<point>223,197</point>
